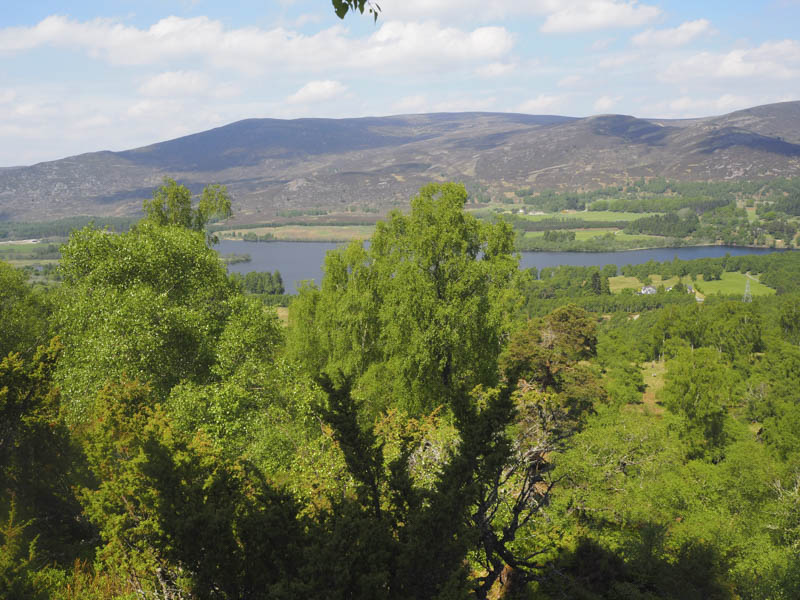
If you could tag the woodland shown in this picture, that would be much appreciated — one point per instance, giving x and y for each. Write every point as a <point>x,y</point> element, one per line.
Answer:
<point>762,213</point>
<point>432,422</point>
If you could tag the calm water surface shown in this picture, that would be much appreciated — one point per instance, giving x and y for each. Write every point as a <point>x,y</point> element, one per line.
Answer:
<point>298,261</point>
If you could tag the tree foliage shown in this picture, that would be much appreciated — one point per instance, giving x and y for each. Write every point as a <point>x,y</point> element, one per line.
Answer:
<point>699,388</point>
<point>418,317</point>
<point>410,435</point>
<point>175,515</point>
<point>342,7</point>
<point>172,205</point>
<point>149,303</point>
<point>23,314</point>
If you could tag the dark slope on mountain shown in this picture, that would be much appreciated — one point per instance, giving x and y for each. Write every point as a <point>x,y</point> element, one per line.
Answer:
<point>271,164</point>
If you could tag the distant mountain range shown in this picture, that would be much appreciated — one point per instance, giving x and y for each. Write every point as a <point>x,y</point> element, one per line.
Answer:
<point>272,165</point>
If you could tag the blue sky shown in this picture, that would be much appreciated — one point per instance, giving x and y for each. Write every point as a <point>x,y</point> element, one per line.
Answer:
<point>87,75</point>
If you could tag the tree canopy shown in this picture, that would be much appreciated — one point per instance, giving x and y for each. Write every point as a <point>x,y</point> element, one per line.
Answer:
<point>418,317</point>
<point>172,205</point>
<point>433,423</point>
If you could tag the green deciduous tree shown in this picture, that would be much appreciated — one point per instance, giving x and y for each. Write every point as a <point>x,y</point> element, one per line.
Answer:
<point>734,328</point>
<point>172,205</point>
<point>699,387</point>
<point>23,314</point>
<point>419,316</point>
<point>149,303</point>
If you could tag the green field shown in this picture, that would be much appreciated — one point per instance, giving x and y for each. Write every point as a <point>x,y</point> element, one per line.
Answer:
<point>617,284</point>
<point>600,216</point>
<point>587,234</point>
<point>581,235</point>
<point>308,233</point>
<point>7,248</point>
<point>27,262</point>
<point>733,283</point>
<point>24,254</point>
<point>638,237</point>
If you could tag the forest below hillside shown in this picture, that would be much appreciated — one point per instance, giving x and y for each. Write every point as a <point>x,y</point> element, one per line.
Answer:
<point>654,214</point>
<point>432,421</point>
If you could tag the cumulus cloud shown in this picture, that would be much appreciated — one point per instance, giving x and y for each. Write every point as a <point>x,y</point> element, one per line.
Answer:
<point>93,122</point>
<point>175,83</point>
<point>569,81</point>
<point>771,60</point>
<point>542,103</point>
<point>317,91</point>
<point>462,104</point>
<point>576,17</point>
<point>676,36</point>
<point>495,69</point>
<point>252,50</point>
<point>561,16</point>
<point>616,60</point>
<point>689,106</point>
<point>397,41</point>
<point>605,103</point>
<point>307,19</point>
<point>416,103</point>
<point>603,43</point>
<point>451,10</point>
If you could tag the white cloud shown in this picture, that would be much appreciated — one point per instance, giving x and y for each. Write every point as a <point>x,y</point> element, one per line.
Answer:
<point>153,108</point>
<point>495,69</point>
<point>771,60</point>
<point>317,91</point>
<point>419,103</point>
<point>466,105</point>
<point>253,51</point>
<point>175,83</point>
<point>561,16</point>
<point>677,36</point>
<point>687,106</point>
<point>226,91</point>
<point>591,15</point>
<point>569,81</point>
<point>458,10</point>
<point>410,104</point>
<point>428,43</point>
<point>93,122</point>
<point>616,60</point>
<point>603,43</point>
<point>7,96</point>
<point>542,103</point>
<point>604,103</point>
<point>307,19</point>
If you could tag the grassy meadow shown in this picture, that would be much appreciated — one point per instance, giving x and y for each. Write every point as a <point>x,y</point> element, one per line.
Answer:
<point>732,283</point>
<point>307,233</point>
<point>600,215</point>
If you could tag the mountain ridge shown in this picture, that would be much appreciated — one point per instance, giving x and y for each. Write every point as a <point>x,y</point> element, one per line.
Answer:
<point>270,165</point>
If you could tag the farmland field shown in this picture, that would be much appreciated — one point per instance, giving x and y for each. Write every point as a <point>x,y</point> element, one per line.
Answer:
<point>600,215</point>
<point>733,283</point>
<point>308,233</point>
